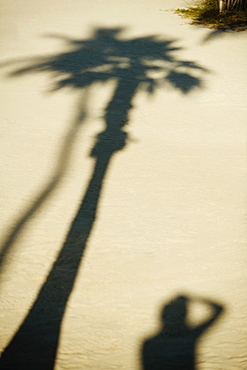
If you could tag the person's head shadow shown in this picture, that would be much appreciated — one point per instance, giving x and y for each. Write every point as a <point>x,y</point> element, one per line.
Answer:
<point>174,346</point>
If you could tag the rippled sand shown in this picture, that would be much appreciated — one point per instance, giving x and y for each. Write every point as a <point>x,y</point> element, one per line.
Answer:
<point>170,220</point>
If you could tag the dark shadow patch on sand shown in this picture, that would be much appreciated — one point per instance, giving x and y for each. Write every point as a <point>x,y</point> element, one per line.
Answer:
<point>138,64</point>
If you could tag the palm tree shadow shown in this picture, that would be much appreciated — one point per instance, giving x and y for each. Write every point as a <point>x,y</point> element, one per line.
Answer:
<point>139,64</point>
<point>174,346</point>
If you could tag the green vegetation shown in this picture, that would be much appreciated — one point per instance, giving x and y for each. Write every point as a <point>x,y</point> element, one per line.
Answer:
<point>207,14</point>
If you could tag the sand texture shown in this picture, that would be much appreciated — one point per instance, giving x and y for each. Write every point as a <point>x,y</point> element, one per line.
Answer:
<point>123,188</point>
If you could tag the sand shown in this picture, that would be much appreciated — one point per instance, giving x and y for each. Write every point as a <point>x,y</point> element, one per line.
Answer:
<point>171,217</point>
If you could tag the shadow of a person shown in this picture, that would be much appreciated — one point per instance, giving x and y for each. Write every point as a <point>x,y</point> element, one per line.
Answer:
<point>174,347</point>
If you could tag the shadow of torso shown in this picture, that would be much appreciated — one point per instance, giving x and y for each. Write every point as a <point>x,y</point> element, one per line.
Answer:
<point>173,351</point>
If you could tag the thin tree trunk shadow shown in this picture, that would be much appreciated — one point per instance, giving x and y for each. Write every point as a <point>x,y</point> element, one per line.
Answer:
<point>10,240</point>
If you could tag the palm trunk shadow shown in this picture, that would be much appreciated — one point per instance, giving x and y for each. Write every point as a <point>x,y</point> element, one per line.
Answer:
<point>35,344</point>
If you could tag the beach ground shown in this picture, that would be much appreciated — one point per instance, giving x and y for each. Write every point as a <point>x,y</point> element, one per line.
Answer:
<point>171,217</point>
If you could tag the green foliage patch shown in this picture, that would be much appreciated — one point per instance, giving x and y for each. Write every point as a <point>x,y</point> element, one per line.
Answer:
<point>207,14</point>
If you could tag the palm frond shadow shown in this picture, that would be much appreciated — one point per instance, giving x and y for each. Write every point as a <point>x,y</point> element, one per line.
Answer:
<point>138,64</point>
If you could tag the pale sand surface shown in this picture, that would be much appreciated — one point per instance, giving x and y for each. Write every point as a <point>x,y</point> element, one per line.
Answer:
<point>171,218</point>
